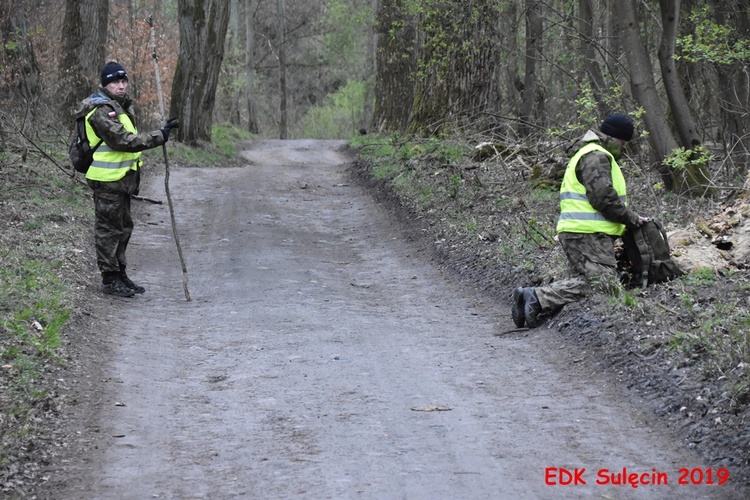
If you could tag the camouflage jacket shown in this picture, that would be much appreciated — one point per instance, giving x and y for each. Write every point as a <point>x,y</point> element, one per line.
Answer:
<point>108,126</point>
<point>594,172</point>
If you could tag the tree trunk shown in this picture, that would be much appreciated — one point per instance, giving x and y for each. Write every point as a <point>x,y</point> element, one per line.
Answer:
<point>28,69</point>
<point>588,50</point>
<point>643,88</point>
<point>83,51</point>
<point>371,54</point>
<point>678,103</point>
<point>234,69</point>
<point>454,84</point>
<point>203,28</point>
<point>734,86</point>
<point>252,108</point>
<point>396,64</point>
<point>691,178</point>
<point>283,127</point>
<point>533,50</point>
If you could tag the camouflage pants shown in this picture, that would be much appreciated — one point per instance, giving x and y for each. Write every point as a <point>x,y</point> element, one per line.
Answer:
<point>112,230</point>
<point>592,261</point>
<point>114,224</point>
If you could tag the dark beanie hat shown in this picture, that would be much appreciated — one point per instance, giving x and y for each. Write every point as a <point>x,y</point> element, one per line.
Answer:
<point>113,71</point>
<point>619,126</point>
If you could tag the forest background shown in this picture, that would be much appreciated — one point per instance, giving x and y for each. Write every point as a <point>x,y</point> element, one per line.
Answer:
<point>417,85</point>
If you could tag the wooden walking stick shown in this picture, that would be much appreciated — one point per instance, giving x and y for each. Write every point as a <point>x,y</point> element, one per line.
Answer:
<point>166,163</point>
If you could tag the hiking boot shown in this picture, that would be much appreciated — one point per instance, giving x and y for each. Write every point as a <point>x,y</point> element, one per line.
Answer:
<point>118,288</point>
<point>531,307</point>
<point>129,283</point>
<point>517,309</point>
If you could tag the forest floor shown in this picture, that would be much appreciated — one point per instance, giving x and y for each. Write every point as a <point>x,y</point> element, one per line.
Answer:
<point>678,351</point>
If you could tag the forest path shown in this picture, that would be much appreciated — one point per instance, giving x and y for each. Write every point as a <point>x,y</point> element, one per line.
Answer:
<point>322,356</point>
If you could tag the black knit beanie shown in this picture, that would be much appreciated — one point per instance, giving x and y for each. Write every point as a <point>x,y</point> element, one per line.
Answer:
<point>619,126</point>
<point>113,71</point>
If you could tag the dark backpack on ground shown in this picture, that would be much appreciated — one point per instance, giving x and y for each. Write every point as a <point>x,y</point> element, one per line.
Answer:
<point>648,253</point>
<point>80,151</point>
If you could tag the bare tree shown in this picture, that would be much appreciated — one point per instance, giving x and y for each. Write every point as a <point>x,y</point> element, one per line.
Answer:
<point>396,63</point>
<point>252,107</point>
<point>83,50</point>
<point>663,142</point>
<point>371,67</point>
<point>203,27</point>
<point>457,52</point>
<point>643,87</point>
<point>25,59</point>
<point>588,51</point>
<point>734,82</point>
<point>283,128</point>
<point>678,103</point>
<point>532,54</point>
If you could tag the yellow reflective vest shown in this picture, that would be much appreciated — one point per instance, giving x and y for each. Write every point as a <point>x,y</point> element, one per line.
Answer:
<point>110,165</point>
<point>576,213</point>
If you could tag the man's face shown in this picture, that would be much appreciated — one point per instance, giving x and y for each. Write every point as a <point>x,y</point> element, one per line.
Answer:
<point>118,87</point>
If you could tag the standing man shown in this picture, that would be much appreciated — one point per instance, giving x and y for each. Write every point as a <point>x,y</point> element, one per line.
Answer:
<point>593,213</point>
<point>113,175</point>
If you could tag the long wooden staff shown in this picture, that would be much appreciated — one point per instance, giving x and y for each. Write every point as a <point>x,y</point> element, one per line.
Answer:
<point>166,163</point>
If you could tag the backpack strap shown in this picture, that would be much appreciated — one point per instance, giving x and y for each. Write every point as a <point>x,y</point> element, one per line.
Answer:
<point>112,104</point>
<point>644,248</point>
<point>86,118</point>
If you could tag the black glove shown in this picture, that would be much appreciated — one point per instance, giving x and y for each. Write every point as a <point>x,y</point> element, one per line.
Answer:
<point>171,123</point>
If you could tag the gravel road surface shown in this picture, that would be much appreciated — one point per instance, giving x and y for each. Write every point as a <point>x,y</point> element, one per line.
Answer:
<point>324,356</point>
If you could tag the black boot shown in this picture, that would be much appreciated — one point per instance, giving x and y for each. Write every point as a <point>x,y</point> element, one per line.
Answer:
<point>531,307</point>
<point>129,283</point>
<point>517,309</point>
<point>113,285</point>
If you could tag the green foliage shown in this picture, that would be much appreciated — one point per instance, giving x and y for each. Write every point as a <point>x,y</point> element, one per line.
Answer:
<point>712,42</point>
<point>701,277</point>
<point>344,24</point>
<point>339,116</point>
<point>687,159</point>
<point>690,170</point>
<point>618,294</point>
<point>386,171</point>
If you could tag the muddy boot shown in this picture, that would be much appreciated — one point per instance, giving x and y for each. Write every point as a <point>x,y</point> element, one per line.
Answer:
<point>517,309</point>
<point>531,307</point>
<point>129,283</point>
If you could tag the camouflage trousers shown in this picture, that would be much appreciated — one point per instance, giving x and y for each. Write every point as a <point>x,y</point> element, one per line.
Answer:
<point>113,225</point>
<point>592,262</point>
<point>112,230</point>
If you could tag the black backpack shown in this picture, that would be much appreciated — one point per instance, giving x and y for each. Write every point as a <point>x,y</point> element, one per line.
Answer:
<point>649,256</point>
<point>80,151</point>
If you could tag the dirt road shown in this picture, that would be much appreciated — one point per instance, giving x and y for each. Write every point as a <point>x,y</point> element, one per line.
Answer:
<point>322,356</point>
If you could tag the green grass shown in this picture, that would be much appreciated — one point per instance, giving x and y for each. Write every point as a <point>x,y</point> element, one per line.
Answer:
<point>36,310</point>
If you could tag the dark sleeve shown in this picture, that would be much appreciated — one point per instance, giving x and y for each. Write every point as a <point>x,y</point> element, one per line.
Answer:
<point>112,131</point>
<point>594,171</point>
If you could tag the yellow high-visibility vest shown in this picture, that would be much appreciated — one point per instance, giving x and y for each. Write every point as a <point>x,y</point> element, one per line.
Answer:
<point>576,213</point>
<point>110,165</point>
